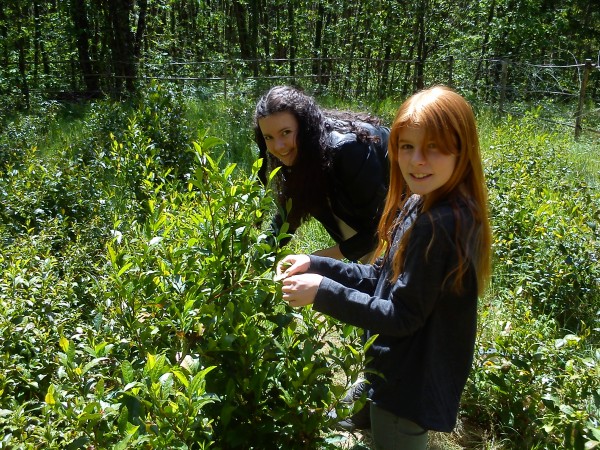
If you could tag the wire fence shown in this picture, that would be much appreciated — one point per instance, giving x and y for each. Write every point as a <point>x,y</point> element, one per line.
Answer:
<point>567,94</point>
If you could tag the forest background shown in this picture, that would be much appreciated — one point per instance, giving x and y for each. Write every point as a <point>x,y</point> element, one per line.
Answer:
<point>137,308</point>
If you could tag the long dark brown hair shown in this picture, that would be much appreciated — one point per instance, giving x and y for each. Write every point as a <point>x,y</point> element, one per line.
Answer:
<point>306,181</point>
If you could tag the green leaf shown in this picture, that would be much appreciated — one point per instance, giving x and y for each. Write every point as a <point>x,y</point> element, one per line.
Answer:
<point>122,444</point>
<point>181,377</point>
<point>100,387</point>
<point>273,173</point>
<point>92,363</point>
<point>127,372</point>
<point>211,142</point>
<point>50,398</point>
<point>124,269</point>
<point>229,169</point>
<point>64,344</point>
<point>123,418</point>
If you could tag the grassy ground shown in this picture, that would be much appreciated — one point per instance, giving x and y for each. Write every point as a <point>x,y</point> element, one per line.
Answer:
<point>463,438</point>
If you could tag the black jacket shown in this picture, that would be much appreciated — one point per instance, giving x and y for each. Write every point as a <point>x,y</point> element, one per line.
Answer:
<point>426,333</point>
<point>357,179</point>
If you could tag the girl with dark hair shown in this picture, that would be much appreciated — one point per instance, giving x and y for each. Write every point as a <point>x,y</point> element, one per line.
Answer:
<point>420,298</point>
<point>334,168</point>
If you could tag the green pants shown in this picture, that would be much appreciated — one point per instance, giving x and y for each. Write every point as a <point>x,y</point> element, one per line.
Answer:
<point>390,432</point>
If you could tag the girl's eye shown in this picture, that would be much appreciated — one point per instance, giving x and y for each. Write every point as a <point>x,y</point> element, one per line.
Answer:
<point>267,138</point>
<point>285,132</point>
<point>406,147</point>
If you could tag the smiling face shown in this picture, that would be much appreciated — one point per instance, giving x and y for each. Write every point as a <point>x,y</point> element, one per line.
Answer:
<point>280,131</point>
<point>424,165</point>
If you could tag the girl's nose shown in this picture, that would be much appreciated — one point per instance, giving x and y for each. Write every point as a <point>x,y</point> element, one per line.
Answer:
<point>279,144</point>
<point>418,157</point>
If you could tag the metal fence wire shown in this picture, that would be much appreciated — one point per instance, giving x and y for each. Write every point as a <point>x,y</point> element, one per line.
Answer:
<point>511,86</point>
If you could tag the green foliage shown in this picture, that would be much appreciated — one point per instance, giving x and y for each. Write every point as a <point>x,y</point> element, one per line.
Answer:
<point>538,386</point>
<point>536,372</point>
<point>138,310</point>
<point>176,337</point>
<point>196,279</point>
<point>346,48</point>
<point>545,223</point>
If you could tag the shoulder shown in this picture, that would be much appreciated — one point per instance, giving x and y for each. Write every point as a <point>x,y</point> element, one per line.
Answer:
<point>346,152</point>
<point>336,140</point>
<point>444,216</point>
<point>352,153</point>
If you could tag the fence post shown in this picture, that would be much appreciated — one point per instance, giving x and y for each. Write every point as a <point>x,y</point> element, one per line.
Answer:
<point>450,69</point>
<point>503,82</point>
<point>225,74</point>
<point>73,76</point>
<point>580,105</point>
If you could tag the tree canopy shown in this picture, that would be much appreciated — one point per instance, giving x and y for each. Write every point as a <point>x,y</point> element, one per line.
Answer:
<point>99,47</point>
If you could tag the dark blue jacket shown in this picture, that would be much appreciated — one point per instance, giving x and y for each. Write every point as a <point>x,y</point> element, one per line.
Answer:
<point>426,332</point>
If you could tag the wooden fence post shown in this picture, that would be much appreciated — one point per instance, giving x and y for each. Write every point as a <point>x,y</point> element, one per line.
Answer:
<point>503,82</point>
<point>225,74</point>
<point>580,106</point>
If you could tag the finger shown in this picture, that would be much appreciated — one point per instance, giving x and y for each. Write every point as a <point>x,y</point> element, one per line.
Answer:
<point>280,276</point>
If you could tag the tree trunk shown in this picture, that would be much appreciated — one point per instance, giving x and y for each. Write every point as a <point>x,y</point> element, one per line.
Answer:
<point>419,81</point>
<point>486,38</point>
<point>91,77</point>
<point>122,46</point>
<point>246,52</point>
<point>4,39</point>
<point>317,64</point>
<point>20,44</point>
<point>292,29</point>
<point>266,37</point>
<point>36,43</point>
<point>141,29</point>
<point>253,26</point>
<point>385,72</point>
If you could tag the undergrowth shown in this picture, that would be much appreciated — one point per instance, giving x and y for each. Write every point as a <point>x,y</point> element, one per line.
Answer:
<point>137,308</point>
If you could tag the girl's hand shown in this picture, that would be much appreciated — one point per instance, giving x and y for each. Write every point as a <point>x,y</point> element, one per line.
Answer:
<point>300,290</point>
<point>292,265</point>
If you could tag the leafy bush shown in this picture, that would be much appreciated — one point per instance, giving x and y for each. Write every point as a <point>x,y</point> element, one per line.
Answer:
<point>137,308</point>
<point>538,386</point>
<point>180,341</point>
<point>196,281</point>
<point>546,225</point>
<point>535,377</point>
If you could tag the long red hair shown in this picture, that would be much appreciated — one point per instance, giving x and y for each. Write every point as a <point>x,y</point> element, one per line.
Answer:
<point>449,121</point>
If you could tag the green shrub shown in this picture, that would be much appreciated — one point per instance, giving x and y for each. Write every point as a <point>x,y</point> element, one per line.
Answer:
<point>196,281</point>
<point>545,225</point>
<point>536,372</point>
<point>137,307</point>
<point>538,386</point>
<point>179,339</point>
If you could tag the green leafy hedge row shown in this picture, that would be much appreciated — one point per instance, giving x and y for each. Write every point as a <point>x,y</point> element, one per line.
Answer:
<point>536,376</point>
<point>137,307</point>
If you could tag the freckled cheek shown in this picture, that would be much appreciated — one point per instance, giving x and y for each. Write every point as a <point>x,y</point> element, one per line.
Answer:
<point>402,163</point>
